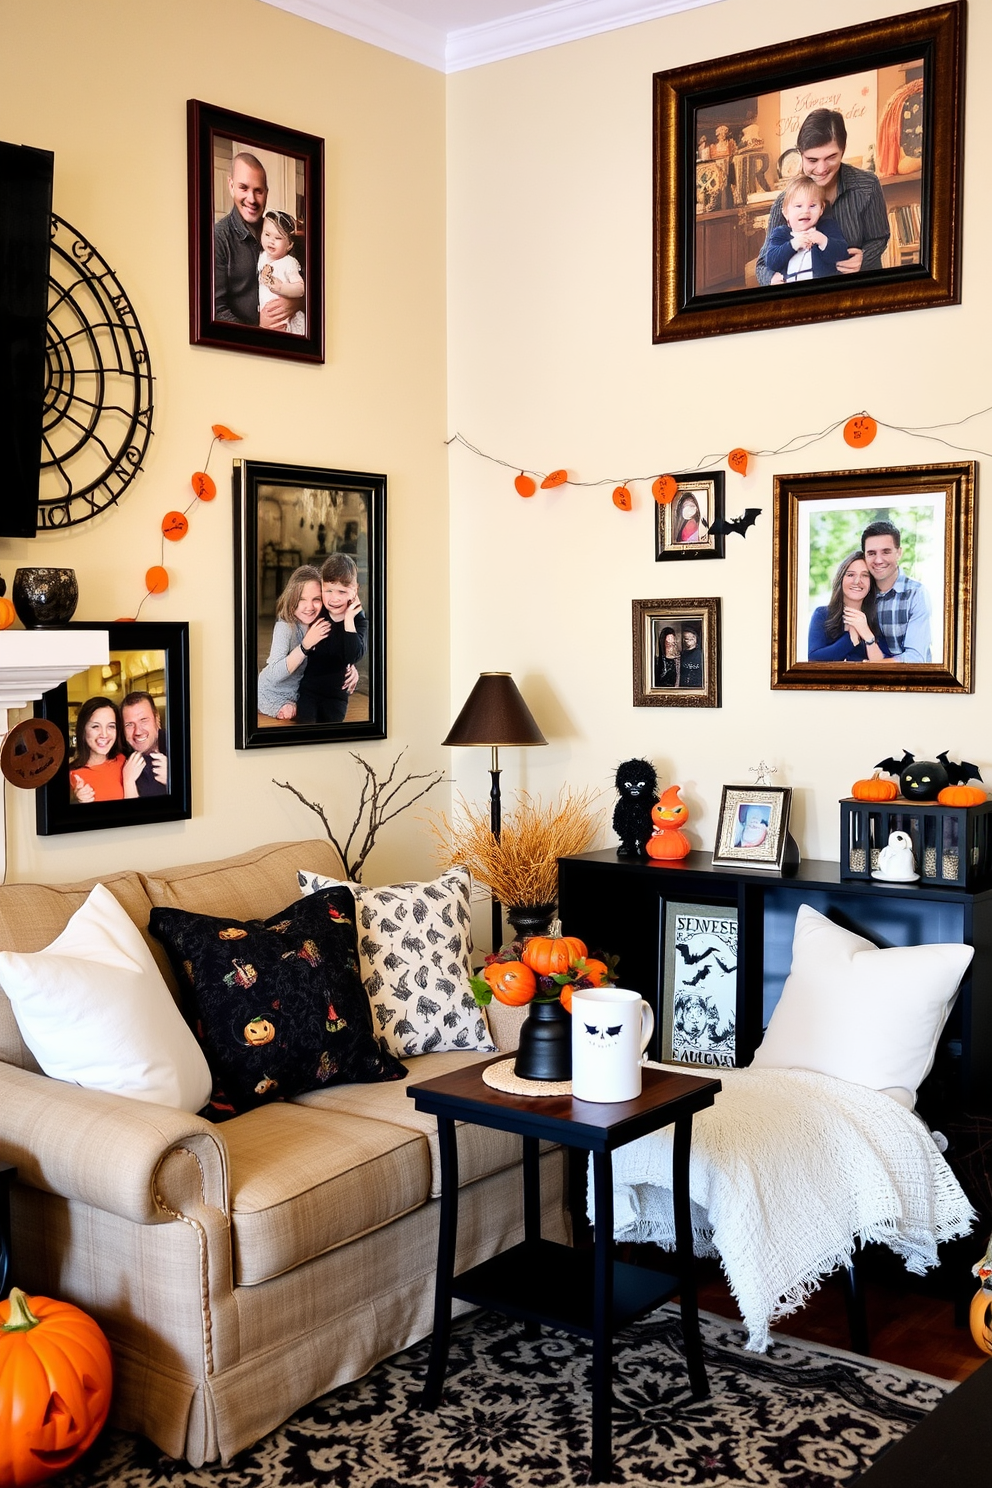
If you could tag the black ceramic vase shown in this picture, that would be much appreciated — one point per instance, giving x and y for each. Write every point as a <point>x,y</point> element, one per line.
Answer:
<point>530,919</point>
<point>545,1049</point>
<point>44,598</point>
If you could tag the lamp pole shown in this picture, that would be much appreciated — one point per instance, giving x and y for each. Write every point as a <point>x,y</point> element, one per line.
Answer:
<point>495,823</point>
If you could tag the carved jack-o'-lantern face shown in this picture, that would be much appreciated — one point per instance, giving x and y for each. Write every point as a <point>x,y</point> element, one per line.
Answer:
<point>259,1031</point>
<point>32,753</point>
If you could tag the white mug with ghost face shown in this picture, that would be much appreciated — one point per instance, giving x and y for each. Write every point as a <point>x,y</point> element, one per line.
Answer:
<point>610,1031</point>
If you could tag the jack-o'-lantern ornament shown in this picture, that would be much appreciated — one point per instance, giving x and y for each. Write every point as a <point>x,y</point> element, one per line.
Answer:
<point>259,1031</point>
<point>669,814</point>
<point>56,1375</point>
<point>32,753</point>
<point>980,1319</point>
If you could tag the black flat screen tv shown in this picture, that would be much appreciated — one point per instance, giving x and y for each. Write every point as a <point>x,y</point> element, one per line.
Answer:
<point>25,239</point>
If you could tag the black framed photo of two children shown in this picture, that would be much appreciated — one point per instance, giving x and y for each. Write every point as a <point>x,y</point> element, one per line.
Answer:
<point>810,181</point>
<point>310,585</point>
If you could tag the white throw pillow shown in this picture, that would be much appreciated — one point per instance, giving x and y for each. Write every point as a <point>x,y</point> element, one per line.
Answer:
<point>94,1010</point>
<point>415,947</point>
<point>862,1014</point>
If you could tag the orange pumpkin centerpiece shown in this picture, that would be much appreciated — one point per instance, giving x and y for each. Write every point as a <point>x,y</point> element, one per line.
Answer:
<point>55,1385</point>
<point>669,815</point>
<point>548,955</point>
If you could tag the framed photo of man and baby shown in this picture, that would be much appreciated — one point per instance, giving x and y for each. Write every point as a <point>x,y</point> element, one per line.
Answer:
<point>810,181</point>
<point>310,585</point>
<point>256,235</point>
<point>872,579</point>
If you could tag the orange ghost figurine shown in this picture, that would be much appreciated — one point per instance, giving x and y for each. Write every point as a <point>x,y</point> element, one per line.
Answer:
<point>669,814</point>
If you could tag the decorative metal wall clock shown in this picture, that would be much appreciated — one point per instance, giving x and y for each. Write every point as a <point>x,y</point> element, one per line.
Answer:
<point>98,397</point>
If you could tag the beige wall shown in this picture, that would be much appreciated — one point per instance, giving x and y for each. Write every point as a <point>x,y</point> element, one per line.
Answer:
<point>105,86</point>
<point>551,363</point>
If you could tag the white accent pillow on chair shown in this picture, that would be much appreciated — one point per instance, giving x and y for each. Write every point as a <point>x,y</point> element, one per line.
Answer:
<point>94,1010</point>
<point>862,1014</point>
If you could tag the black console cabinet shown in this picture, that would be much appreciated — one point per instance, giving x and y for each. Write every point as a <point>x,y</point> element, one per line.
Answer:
<point>618,905</point>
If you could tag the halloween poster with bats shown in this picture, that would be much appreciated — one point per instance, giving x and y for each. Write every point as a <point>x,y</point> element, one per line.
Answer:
<point>699,1023</point>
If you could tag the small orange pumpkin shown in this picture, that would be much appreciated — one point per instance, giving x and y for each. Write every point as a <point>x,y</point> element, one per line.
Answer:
<point>511,981</point>
<point>597,972</point>
<point>55,1385</point>
<point>7,614</point>
<point>875,789</point>
<point>980,1319</point>
<point>548,955</point>
<point>962,795</point>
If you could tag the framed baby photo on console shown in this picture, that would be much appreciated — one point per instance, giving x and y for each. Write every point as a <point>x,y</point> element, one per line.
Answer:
<point>126,727</point>
<point>256,235</point>
<point>310,592</point>
<point>811,181</point>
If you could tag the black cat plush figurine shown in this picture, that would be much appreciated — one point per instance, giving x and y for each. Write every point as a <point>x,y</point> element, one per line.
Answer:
<point>637,789</point>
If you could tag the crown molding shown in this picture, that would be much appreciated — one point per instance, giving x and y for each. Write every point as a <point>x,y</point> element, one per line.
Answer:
<point>552,25</point>
<point>472,46</point>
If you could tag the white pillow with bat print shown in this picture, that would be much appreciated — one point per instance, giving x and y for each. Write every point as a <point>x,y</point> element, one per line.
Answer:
<point>415,947</point>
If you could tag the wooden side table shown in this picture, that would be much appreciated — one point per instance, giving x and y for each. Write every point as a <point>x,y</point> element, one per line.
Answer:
<point>584,1292</point>
<point>7,1175</point>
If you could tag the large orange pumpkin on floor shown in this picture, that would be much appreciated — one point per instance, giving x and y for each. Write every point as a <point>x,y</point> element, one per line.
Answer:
<point>55,1383</point>
<point>547,955</point>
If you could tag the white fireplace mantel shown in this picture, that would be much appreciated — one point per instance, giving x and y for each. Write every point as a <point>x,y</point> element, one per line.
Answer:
<point>32,662</point>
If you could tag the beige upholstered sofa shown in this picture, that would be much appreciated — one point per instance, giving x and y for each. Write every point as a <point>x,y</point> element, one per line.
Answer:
<point>241,1269</point>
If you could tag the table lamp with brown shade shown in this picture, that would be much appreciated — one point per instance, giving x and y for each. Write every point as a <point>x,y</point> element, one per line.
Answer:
<point>494,714</point>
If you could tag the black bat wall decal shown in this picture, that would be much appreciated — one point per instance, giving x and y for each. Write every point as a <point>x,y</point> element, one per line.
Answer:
<point>737,524</point>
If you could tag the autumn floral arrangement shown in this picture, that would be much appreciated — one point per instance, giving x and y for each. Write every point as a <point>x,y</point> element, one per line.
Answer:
<point>542,968</point>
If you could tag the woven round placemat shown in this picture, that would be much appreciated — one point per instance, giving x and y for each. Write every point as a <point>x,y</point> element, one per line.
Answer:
<point>502,1077</point>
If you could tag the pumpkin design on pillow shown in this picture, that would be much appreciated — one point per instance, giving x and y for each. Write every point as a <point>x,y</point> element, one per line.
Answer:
<point>259,1031</point>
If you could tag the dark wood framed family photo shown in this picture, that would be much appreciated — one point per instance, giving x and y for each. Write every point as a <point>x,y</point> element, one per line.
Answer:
<point>256,235</point>
<point>310,597</point>
<point>872,579</point>
<point>684,526</point>
<point>126,726</point>
<point>811,181</point>
<point>676,648</point>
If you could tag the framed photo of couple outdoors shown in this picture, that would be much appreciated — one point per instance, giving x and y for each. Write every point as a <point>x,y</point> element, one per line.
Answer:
<point>256,235</point>
<point>138,702</point>
<point>310,605</point>
<point>872,579</point>
<point>811,181</point>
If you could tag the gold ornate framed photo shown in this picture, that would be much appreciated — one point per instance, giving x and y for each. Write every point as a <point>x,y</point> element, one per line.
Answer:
<point>872,579</point>
<point>676,646</point>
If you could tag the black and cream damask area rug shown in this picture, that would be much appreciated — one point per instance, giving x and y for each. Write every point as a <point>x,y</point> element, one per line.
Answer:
<point>515,1414</point>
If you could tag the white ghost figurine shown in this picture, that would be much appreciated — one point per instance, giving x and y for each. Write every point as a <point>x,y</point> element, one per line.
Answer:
<point>896,861</point>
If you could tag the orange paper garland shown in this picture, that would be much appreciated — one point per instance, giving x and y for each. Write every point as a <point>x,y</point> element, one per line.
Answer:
<point>175,524</point>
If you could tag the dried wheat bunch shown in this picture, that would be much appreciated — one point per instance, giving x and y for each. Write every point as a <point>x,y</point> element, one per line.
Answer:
<point>522,867</point>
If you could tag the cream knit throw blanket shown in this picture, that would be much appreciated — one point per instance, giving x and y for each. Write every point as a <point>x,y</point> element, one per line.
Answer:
<point>787,1169</point>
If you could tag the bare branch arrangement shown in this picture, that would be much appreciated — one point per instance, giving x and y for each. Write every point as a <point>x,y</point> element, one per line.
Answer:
<point>522,867</point>
<point>379,800</point>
